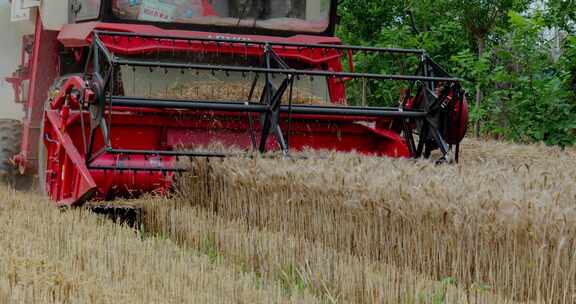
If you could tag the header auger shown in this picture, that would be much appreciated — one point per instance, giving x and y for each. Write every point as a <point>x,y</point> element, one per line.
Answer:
<point>128,95</point>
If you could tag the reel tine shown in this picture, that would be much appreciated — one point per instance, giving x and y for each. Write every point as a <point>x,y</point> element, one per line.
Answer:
<point>158,42</point>
<point>457,154</point>
<point>133,80</point>
<point>173,47</point>
<point>246,54</point>
<point>203,51</point>
<point>149,87</point>
<point>364,92</point>
<point>188,59</point>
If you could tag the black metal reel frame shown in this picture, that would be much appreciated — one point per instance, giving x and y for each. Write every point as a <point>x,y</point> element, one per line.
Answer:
<point>429,118</point>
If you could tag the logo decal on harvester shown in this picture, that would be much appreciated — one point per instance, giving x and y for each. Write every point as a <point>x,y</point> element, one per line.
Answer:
<point>156,10</point>
<point>224,37</point>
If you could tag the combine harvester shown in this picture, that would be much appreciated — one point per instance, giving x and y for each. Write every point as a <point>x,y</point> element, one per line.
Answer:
<point>116,92</point>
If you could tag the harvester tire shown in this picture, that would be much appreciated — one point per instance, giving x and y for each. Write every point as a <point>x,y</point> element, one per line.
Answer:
<point>10,139</point>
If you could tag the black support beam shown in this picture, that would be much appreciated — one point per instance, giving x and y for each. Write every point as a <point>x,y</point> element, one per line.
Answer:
<point>119,101</point>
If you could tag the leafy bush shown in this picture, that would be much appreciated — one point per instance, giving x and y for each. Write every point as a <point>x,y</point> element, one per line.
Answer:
<point>528,96</point>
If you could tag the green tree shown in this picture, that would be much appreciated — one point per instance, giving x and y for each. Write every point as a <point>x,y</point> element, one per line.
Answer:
<point>561,14</point>
<point>362,20</point>
<point>528,96</point>
<point>497,46</point>
<point>480,18</point>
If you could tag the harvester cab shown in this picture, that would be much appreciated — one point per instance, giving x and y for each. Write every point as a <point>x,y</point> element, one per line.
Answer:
<point>121,90</point>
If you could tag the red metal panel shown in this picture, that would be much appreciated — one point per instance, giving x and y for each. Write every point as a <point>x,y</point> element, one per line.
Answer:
<point>78,35</point>
<point>67,177</point>
<point>70,180</point>
<point>130,183</point>
<point>170,129</point>
<point>157,129</point>
<point>44,69</point>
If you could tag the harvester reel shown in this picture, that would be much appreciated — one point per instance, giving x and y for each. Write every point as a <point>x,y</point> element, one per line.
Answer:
<point>445,124</point>
<point>96,109</point>
<point>127,165</point>
<point>97,106</point>
<point>271,119</point>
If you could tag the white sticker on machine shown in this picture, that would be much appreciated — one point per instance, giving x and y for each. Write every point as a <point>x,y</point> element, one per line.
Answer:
<point>157,10</point>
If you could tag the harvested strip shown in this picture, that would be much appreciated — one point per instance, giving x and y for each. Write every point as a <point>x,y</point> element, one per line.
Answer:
<point>508,154</point>
<point>301,264</point>
<point>49,256</point>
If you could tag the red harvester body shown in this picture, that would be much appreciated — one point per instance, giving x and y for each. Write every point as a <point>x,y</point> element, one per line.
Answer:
<point>97,127</point>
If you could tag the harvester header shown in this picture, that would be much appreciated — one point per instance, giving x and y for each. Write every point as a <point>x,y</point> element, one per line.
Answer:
<point>131,87</point>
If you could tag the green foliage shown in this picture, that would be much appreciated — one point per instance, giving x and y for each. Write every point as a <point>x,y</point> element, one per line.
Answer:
<point>209,247</point>
<point>291,279</point>
<point>480,17</point>
<point>363,19</point>
<point>426,24</point>
<point>561,13</point>
<point>529,96</point>
<point>422,24</point>
<point>437,296</point>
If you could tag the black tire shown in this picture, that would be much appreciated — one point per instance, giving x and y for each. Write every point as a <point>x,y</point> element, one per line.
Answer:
<point>10,140</point>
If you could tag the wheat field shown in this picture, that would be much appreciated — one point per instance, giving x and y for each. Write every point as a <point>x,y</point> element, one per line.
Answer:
<point>500,224</point>
<point>332,228</point>
<point>53,256</point>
